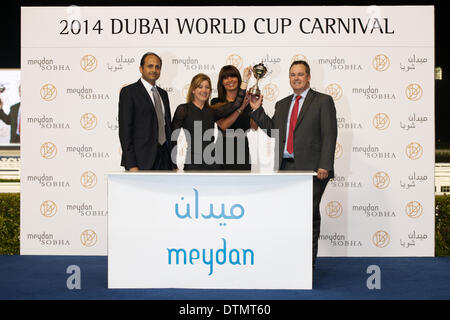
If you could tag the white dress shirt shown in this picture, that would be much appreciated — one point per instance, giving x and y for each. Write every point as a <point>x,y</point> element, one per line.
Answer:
<point>149,87</point>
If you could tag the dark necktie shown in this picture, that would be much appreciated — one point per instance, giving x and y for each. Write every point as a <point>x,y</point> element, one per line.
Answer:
<point>160,116</point>
<point>292,123</point>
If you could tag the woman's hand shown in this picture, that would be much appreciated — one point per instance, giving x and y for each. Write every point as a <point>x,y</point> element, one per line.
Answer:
<point>246,100</point>
<point>247,73</point>
<point>256,102</point>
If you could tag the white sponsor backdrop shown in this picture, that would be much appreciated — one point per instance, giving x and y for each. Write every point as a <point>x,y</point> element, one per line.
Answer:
<point>198,233</point>
<point>376,62</point>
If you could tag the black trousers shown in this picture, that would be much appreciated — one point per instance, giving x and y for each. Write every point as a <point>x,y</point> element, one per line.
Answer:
<point>318,190</point>
<point>163,160</point>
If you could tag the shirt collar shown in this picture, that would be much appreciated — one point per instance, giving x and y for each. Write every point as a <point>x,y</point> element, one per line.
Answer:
<point>303,94</point>
<point>147,85</point>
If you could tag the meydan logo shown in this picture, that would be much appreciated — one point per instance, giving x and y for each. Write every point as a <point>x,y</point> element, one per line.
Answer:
<point>210,257</point>
<point>236,211</point>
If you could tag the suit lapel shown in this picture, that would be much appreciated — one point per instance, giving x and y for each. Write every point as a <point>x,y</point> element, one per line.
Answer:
<point>305,106</point>
<point>284,112</point>
<point>164,101</point>
<point>145,95</point>
<point>166,106</point>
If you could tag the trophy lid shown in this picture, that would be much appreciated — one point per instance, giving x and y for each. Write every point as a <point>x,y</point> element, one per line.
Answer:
<point>260,69</point>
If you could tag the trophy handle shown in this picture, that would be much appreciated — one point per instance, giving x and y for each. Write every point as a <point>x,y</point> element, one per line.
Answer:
<point>254,91</point>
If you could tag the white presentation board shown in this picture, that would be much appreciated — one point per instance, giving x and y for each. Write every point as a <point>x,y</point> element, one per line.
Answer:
<point>223,230</point>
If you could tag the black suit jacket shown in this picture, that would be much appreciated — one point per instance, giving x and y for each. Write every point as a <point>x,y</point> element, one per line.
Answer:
<point>11,119</point>
<point>138,126</point>
<point>315,132</point>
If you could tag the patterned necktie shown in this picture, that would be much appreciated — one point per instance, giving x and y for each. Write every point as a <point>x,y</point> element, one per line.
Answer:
<point>160,116</point>
<point>292,123</point>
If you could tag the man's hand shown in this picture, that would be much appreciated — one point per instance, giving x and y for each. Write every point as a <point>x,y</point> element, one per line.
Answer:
<point>134,169</point>
<point>322,173</point>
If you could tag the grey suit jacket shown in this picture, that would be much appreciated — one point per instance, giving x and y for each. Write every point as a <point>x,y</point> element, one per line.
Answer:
<point>315,132</point>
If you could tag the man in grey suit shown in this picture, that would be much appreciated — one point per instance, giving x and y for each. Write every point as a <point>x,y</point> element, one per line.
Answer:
<point>307,126</point>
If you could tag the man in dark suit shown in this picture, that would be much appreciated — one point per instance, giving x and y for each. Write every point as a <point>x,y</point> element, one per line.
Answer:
<point>307,128</point>
<point>12,118</point>
<point>144,120</point>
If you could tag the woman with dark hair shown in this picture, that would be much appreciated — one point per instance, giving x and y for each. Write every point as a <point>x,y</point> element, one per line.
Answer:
<point>228,84</point>
<point>229,88</point>
<point>197,117</point>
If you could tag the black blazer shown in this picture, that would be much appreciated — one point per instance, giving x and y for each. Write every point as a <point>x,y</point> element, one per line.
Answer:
<point>11,119</point>
<point>138,126</point>
<point>315,132</point>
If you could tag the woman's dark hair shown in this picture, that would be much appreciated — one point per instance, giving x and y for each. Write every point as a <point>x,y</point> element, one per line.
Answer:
<point>225,72</point>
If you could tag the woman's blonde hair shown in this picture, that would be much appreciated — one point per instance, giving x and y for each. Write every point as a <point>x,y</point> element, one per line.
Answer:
<point>195,83</point>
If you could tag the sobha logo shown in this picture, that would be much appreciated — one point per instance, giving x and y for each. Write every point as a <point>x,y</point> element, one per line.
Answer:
<point>414,151</point>
<point>381,121</point>
<point>414,92</point>
<point>338,152</point>
<point>235,60</point>
<point>271,92</point>
<point>414,209</point>
<point>381,180</point>
<point>88,238</point>
<point>380,62</point>
<point>334,209</point>
<point>48,150</point>
<point>185,90</point>
<point>88,121</point>
<point>334,90</point>
<point>299,57</point>
<point>48,208</point>
<point>88,63</point>
<point>48,92</point>
<point>381,239</point>
<point>88,179</point>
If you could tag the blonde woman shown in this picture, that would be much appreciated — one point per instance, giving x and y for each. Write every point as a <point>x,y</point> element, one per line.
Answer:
<point>197,119</point>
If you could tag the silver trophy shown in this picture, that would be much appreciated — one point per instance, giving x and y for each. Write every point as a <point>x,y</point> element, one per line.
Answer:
<point>259,71</point>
